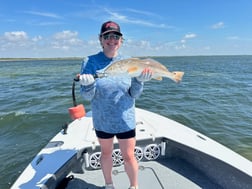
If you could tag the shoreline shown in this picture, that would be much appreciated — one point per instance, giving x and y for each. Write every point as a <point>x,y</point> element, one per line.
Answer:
<point>80,58</point>
<point>31,59</point>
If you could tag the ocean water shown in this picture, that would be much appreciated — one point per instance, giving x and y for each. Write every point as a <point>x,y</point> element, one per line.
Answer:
<point>214,98</point>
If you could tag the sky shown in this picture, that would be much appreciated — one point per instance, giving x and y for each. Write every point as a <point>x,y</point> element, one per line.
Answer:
<point>70,28</point>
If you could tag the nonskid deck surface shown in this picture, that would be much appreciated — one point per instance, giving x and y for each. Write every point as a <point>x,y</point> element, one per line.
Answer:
<point>159,174</point>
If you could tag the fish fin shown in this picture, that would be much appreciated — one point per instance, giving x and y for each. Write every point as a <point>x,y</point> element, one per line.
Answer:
<point>132,69</point>
<point>178,76</point>
<point>159,78</point>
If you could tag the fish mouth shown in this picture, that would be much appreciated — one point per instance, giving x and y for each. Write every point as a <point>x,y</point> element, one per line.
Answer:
<point>100,74</point>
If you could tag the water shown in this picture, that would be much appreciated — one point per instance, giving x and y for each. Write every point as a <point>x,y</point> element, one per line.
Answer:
<point>214,98</point>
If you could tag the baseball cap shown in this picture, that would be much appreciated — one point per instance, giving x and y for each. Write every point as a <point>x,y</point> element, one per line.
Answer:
<point>110,26</point>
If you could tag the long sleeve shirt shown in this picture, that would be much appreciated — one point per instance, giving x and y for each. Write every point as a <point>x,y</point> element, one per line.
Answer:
<point>112,98</point>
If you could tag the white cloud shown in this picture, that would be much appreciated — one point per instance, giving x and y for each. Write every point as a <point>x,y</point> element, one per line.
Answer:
<point>48,23</point>
<point>44,14</point>
<point>126,19</point>
<point>141,12</point>
<point>183,41</point>
<point>233,37</point>
<point>190,36</point>
<point>116,16</point>
<point>207,48</point>
<point>66,40</point>
<point>218,25</point>
<point>182,44</point>
<point>66,34</point>
<point>179,47</point>
<point>68,43</point>
<point>37,38</point>
<point>15,36</point>
<point>62,44</point>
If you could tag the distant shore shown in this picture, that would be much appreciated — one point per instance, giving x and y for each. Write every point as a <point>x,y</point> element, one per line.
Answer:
<point>80,58</point>
<point>27,59</point>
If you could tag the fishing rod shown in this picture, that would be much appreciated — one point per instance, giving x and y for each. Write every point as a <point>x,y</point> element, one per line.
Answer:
<point>76,79</point>
<point>77,111</point>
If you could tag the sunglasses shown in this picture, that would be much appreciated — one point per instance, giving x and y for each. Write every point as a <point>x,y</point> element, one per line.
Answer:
<point>111,36</point>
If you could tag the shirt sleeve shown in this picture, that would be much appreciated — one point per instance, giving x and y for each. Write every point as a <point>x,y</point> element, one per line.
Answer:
<point>136,88</point>
<point>87,92</point>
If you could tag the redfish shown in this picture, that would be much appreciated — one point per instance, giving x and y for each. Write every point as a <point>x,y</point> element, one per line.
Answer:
<point>135,66</point>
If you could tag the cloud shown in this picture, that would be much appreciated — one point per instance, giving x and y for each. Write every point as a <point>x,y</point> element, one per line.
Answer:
<point>37,38</point>
<point>182,44</point>
<point>144,13</point>
<point>179,47</point>
<point>207,48</point>
<point>134,20</point>
<point>186,37</point>
<point>19,44</point>
<point>218,25</point>
<point>15,36</point>
<point>43,14</point>
<point>126,15</point>
<point>183,41</point>
<point>68,43</point>
<point>61,44</point>
<point>13,42</point>
<point>233,37</point>
<point>190,36</point>
<point>67,34</point>
<point>48,23</point>
<point>66,40</point>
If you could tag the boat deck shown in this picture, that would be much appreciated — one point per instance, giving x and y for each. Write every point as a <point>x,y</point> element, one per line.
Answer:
<point>159,174</point>
<point>170,156</point>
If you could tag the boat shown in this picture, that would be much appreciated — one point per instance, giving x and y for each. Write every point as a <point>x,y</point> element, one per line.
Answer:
<point>170,156</point>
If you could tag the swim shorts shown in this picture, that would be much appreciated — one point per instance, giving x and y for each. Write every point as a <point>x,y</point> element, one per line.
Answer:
<point>124,135</point>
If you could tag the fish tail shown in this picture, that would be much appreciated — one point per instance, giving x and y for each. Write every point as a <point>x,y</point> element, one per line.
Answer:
<point>177,76</point>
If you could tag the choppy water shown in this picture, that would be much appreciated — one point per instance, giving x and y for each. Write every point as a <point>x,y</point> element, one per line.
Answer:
<point>214,98</point>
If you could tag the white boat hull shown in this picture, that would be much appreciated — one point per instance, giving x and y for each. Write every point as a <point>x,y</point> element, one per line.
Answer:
<point>171,155</point>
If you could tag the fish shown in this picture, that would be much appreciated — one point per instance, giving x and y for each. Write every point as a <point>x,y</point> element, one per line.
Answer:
<point>135,66</point>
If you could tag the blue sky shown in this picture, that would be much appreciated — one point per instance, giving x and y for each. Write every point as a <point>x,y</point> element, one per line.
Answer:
<point>69,28</point>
